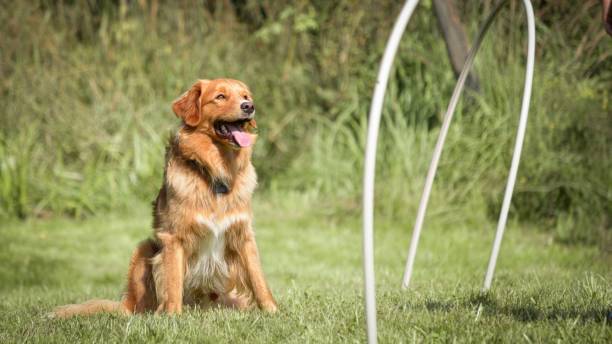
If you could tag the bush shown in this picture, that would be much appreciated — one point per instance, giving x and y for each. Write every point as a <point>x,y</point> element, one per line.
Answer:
<point>86,92</point>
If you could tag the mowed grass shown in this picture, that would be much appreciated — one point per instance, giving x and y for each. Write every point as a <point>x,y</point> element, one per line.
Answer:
<point>543,291</point>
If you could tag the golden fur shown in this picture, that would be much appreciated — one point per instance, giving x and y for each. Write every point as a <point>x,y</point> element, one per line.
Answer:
<point>203,247</point>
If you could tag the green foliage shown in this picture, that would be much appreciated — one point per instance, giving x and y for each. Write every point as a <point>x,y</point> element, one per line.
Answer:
<point>86,89</point>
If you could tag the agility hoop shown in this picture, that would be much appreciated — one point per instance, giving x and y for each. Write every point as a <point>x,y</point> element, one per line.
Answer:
<point>371,143</point>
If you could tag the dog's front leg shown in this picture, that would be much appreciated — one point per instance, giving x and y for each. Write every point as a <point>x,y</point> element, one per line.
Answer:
<point>255,276</point>
<point>168,271</point>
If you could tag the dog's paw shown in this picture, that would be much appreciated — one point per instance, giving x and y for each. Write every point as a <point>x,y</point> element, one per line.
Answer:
<point>169,308</point>
<point>269,307</point>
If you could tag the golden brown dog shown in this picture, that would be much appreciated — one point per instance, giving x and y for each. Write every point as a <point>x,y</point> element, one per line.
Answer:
<point>203,248</point>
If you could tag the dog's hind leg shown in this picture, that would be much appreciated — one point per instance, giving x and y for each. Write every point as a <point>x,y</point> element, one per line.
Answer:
<point>140,296</point>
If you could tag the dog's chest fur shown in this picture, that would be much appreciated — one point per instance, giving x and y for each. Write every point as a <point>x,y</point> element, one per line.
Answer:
<point>207,269</point>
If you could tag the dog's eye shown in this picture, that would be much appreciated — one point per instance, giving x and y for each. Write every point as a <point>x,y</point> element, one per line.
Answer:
<point>220,96</point>
<point>246,97</point>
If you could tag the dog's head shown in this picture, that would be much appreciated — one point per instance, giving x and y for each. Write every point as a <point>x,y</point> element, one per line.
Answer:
<point>221,108</point>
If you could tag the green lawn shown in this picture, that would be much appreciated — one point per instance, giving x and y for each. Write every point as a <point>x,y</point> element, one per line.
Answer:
<point>543,291</point>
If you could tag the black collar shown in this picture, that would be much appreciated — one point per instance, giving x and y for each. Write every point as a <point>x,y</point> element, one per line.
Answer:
<point>218,187</point>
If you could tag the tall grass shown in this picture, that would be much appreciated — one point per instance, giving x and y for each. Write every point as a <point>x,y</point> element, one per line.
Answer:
<point>86,89</point>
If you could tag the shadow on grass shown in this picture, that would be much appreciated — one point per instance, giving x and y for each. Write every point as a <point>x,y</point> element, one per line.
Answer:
<point>526,309</point>
<point>523,308</point>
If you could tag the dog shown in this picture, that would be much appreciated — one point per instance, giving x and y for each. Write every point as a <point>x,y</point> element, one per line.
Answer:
<point>203,249</point>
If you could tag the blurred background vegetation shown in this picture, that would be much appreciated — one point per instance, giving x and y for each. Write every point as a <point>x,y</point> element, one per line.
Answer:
<point>86,87</point>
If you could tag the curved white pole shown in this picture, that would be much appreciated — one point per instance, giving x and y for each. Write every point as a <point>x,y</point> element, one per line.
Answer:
<point>370,165</point>
<point>518,146</point>
<point>448,116</point>
<point>444,130</point>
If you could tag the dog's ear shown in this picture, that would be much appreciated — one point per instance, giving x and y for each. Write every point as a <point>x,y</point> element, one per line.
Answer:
<point>187,106</point>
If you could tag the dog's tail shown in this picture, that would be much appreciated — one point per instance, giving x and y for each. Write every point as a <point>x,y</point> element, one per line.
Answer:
<point>91,307</point>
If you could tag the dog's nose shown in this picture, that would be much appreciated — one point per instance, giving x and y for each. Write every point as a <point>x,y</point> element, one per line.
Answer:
<point>247,107</point>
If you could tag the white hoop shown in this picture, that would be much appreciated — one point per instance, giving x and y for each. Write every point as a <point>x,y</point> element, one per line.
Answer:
<point>370,156</point>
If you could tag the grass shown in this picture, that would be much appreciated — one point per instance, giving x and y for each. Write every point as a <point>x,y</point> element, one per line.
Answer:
<point>543,291</point>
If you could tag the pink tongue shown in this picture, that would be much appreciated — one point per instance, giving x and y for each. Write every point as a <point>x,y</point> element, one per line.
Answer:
<point>243,139</point>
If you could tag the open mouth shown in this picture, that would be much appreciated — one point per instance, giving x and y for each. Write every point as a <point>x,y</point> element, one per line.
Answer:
<point>237,132</point>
